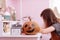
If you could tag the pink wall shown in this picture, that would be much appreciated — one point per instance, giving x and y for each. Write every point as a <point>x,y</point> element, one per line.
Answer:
<point>31,8</point>
<point>34,8</point>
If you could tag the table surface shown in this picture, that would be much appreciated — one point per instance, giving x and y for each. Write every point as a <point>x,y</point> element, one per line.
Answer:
<point>37,35</point>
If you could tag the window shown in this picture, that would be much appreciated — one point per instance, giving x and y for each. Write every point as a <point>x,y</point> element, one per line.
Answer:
<point>55,4</point>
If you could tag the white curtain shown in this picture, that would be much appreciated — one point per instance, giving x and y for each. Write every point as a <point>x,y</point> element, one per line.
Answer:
<point>55,5</point>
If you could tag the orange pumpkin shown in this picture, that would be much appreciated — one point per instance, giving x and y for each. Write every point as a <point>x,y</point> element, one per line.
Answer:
<point>30,28</point>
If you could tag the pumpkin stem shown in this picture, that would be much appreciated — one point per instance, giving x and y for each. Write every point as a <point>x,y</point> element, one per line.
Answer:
<point>29,18</point>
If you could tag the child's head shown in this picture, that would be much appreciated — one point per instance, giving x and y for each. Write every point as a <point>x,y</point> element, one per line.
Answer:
<point>48,17</point>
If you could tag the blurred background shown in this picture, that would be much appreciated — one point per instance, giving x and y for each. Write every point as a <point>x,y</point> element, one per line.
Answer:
<point>31,8</point>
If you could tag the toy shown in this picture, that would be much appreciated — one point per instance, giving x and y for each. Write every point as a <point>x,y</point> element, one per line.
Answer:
<point>16,29</point>
<point>6,27</point>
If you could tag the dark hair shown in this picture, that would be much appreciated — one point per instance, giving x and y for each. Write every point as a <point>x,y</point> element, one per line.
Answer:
<point>48,17</point>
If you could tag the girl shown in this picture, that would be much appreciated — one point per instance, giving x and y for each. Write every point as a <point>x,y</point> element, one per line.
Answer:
<point>52,24</point>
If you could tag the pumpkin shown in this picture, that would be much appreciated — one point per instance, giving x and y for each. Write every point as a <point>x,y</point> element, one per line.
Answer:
<point>30,28</point>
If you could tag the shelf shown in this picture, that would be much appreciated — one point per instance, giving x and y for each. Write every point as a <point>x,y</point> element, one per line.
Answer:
<point>9,35</point>
<point>10,21</point>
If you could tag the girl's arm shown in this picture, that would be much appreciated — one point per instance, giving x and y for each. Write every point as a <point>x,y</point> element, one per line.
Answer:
<point>47,30</point>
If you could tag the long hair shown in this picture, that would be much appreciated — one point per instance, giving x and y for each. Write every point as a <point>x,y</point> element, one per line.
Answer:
<point>50,19</point>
